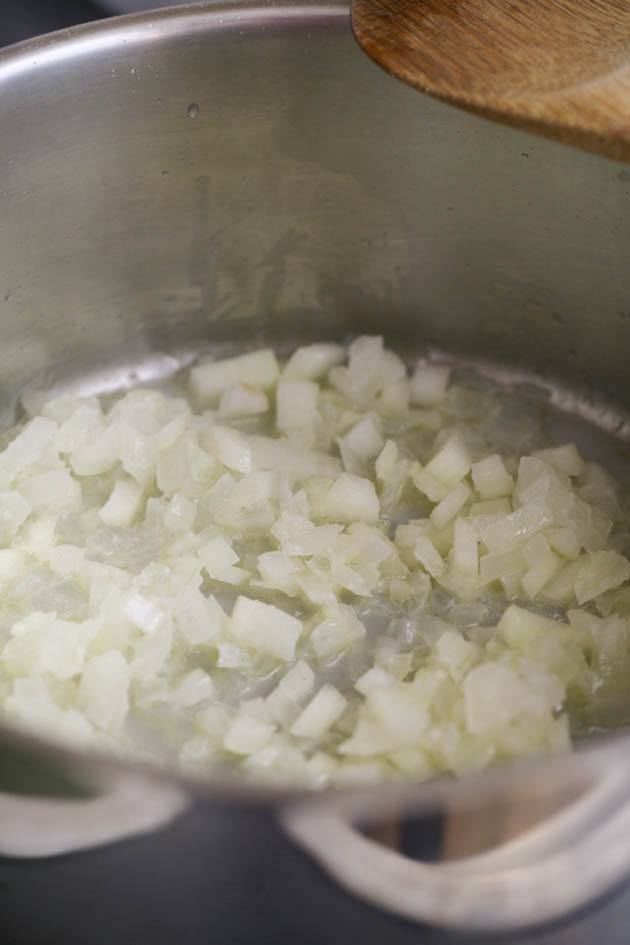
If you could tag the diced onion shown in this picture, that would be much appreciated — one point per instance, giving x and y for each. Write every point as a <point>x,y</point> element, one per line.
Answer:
<point>243,400</point>
<point>208,381</point>
<point>429,383</point>
<point>320,714</point>
<point>326,571</point>
<point>264,627</point>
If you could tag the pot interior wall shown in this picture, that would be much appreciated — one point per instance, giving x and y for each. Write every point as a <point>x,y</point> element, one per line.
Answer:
<point>244,172</point>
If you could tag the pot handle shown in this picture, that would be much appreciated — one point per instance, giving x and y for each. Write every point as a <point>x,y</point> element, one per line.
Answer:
<point>38,827</point>
<point>558,866</point>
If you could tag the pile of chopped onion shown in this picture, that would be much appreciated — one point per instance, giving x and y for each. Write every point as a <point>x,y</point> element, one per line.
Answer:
<point>321,571</point>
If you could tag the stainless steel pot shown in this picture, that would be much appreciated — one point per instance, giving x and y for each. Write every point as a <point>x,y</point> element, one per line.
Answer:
<point>134,6</point>
<point>227,172</point>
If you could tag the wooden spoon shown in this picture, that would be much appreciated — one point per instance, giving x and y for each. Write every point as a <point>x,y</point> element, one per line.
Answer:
<point>559,67</point>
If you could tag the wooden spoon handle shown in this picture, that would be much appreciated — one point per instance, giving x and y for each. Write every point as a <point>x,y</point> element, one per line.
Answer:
<point>558,67</point>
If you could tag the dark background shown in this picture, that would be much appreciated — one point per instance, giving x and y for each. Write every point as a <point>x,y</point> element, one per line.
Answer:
<point>20,19</point>
<point>219,876</point>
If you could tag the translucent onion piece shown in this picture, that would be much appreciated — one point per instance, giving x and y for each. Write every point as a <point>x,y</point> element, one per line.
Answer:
<point>326,571</point>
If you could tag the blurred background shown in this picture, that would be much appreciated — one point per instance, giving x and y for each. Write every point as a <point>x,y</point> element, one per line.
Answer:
<point>27,18</point>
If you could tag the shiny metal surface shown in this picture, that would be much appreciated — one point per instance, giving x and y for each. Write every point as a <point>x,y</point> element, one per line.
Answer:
<point>228,173</point>
<point>310,195</point>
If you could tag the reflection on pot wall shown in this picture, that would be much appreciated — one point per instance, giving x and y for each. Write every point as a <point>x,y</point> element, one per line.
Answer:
<point>306,193</point>
<point>134,6</point>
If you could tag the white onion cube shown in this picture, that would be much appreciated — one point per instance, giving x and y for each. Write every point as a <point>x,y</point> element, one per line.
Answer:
<point>104,690</point>
<point>428,556</point>
<point>144,613</point>
<point>12,564</point>
<point>339,631</point>
<point>199,619</point>
<point>124,504</point>
<point>543,566</point>
<point>232,449</point>
<point>320,714</point>
<point>296,409</point>
<point>434,489</point>
<point>451,505</point>
<point>14,510</point>
<point>296,461</point>
<point>465,552</point>
<point>493,696</point>
<point>400,711</point>
<point>566,459</point>
<point>602,571</point>
<point>294,687</point>
<point>208,381</point>
<point>194,687</point>
<point>451,463</point>
<point>264,627</point>
<point>350,499</point>
<point>51,491</point>
<point>429,384</point>
<point>373,678</point>
<point>491,478</point>
<point>362,443</point>
<point>217,556</point>
<point>495,566</point>
<point>313,361</point>
<point>246,735</point>
<point>386,461</point>
<point>26,448</point>
<point>519,626</point>
<point>243,400</point>
<point>502,535</point>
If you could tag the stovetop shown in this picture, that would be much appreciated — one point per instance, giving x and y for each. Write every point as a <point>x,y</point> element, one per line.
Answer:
<point>225,877</point>
<point>217,876</point>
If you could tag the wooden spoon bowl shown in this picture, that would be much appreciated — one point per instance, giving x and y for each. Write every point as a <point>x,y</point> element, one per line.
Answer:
<point>560,67</point>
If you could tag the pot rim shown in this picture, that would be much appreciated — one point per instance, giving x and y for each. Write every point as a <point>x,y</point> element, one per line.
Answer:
<point>150,26</point>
